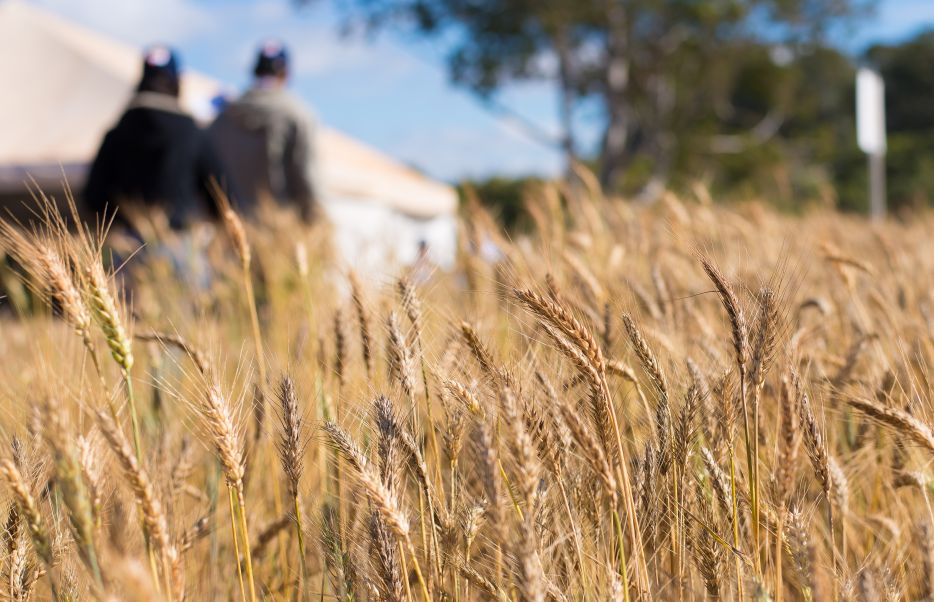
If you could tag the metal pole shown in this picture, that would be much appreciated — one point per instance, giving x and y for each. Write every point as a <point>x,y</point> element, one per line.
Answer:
<point>876,185</point>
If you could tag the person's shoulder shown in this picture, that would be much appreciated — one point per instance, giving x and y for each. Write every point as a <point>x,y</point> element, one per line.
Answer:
<point>178,126</point>
<point>156,114</point>
<point>132,119</point>
<point>295,106</point>
<point>279,102</point>
<point>181,122</point>
<point>223,115</point>
<point>130,115</point>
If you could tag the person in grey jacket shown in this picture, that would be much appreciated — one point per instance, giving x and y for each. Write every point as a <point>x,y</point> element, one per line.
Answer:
<point>266,139</point>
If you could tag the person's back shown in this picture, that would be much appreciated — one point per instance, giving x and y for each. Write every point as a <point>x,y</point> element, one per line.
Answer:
<point>156,155</point>
<point>266,139</point>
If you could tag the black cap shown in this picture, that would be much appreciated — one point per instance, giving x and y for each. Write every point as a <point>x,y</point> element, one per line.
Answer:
<point>160,60</point>
<point>272,59</point>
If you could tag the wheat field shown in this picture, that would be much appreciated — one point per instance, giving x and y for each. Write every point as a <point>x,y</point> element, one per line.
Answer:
<point>679,402</point>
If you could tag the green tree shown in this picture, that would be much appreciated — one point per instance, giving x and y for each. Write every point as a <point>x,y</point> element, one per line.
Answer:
<point>909,82</point>
<point>653,66</point>
<point>803,102</point>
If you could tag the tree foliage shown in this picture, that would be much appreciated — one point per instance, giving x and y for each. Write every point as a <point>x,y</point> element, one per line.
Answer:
<point>746,95</point>
<point>670,76</point>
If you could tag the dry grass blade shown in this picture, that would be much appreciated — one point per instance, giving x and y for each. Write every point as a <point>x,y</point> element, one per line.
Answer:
<point>177,341</point>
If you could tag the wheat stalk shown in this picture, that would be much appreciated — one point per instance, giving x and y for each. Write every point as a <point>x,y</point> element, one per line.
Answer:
<point>400,358</point>
<point>156,526</point>
<point>738,328</point>
<point>383,499</point>
<point>363,321</point>
<point>29,510</point>
<point>74,489</point>
<point>291,447</point>
<point>220,425</point>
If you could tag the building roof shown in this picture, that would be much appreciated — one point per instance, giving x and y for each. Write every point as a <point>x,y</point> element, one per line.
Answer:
<point>65,86</point>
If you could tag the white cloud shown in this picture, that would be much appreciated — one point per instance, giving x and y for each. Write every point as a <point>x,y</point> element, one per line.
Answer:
<point>170,21</point>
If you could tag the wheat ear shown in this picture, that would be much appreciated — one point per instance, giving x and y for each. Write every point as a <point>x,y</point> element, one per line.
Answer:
<point>738,328</point>
<point>384,500</point>
<point>291,448</point>
<point>898,420</point>
<point>141,485</point>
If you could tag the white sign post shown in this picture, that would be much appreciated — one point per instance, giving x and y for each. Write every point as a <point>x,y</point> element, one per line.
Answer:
<point>870,134</point>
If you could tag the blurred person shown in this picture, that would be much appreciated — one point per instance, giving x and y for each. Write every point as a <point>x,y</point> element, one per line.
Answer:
<point>423,266</point>
<point>266,139</point>
<point>156,156</point>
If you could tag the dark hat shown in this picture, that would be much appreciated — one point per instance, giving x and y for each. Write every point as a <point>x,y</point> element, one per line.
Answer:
<point>160,60</point>
<point>272,59</point>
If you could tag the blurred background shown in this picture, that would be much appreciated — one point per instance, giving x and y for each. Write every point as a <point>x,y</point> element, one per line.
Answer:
<point>751,98</point>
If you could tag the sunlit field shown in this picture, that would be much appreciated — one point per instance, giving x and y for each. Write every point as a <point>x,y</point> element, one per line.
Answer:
<point>686,401</point>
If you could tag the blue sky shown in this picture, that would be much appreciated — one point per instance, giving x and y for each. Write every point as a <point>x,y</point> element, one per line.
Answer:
<point>390,92</point>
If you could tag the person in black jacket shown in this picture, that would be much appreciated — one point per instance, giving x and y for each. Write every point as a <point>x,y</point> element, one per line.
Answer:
<point>156,155</point>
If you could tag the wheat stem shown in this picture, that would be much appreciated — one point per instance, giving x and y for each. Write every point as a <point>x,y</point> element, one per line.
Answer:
<point>299,528</point>
<point>418,569</point>
<point>236,539</point>
<point>241,508</point>
<point>134,418</point>
<point>735,516</point>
